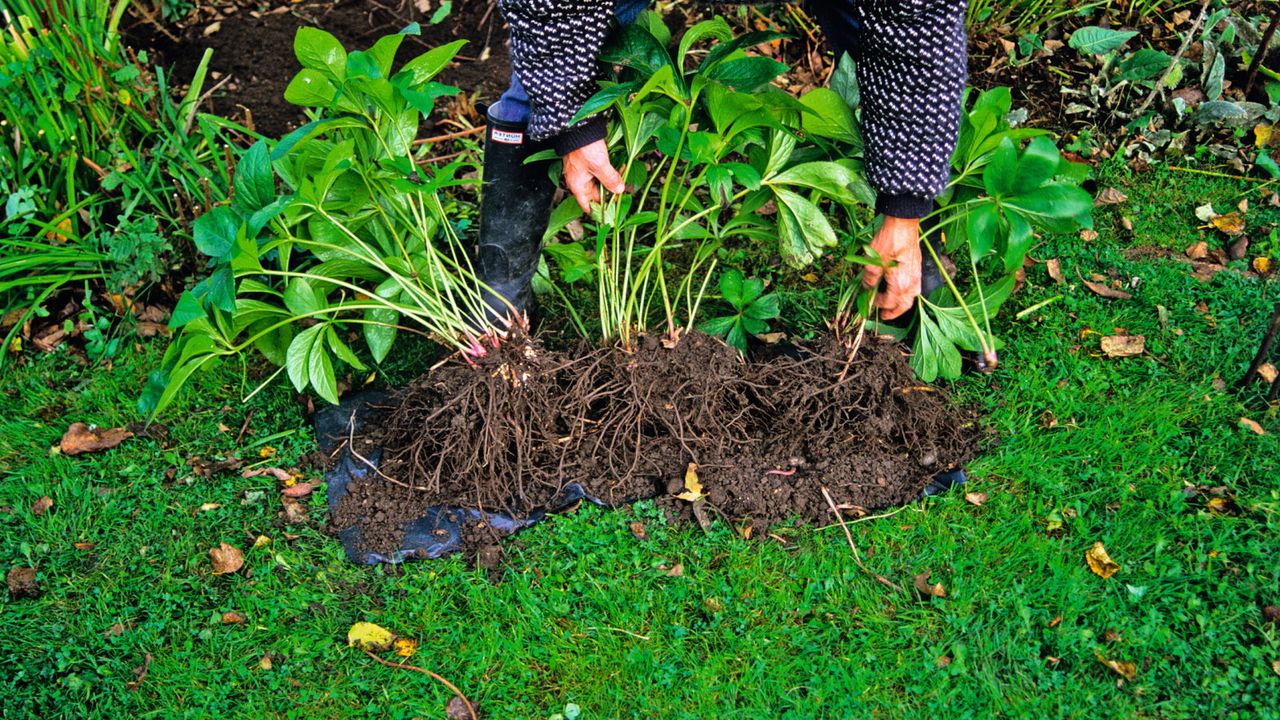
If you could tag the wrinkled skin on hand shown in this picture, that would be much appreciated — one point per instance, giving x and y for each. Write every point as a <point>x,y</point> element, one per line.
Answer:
<point>898,244</point>
<point>588,167</point>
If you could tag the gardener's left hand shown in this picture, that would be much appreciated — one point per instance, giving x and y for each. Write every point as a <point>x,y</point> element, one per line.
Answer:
<point>898,244</point>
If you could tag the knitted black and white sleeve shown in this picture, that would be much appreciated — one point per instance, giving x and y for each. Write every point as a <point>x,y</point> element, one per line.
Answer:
<point>555,46</point>
<point>911,58</point>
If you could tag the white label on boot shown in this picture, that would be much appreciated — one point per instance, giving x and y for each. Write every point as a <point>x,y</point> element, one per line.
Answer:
<point>508,137</point>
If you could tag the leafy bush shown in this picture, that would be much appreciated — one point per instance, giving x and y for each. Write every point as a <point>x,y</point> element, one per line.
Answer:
<point>359,246</point>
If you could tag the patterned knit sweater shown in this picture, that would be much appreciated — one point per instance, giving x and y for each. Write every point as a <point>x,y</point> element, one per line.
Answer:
<point>911,61</point>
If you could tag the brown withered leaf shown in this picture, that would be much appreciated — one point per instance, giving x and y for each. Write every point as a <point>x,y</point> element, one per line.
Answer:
<point>1109,196</point>
<point>81,438</point>
<point>22,583</point>
<point>232,617</point>
<point>300,490</point>
<point>975,498</point>
<point>226,559</point>
<point>1126,670</point>
<point>1106,291</point>
<point>1267,372</point>
<point>1252,426</point>
<point>140,673</point>
<point>1271,613</point>
<point>1232,223</point>
<point>1100,562</point>
<point>921,582</point>
<point>295,513</point>
<point>676,570</point>
<point>638,531</point>
<point>114,630</point>
<point>1054,266</point>
<point>279,474</point>
<point>457,709</point>
<point>1198,250</point>
<point>1118,346</point>
<point>41,506</point>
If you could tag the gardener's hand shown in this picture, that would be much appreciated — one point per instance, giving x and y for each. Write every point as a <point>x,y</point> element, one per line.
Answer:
<point>586,165</point>
<point>898,244</point>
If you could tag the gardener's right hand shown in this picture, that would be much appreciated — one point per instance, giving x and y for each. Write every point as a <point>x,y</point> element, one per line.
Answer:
<point>584,167</point>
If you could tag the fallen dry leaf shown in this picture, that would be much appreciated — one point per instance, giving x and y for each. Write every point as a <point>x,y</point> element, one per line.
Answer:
<point>232,617</point>
<point>1118,346</point>
<point>1261,265</point>
<point>140,673</point>
<point>265,662</point>
<point>1088,234</point>
<point>1109,196</point>
<point>1054,266</point>
<point>692,487</point>
<point>85,545</point>
<point>1106,291</point>
<point>405,647</point>
<point>261,541</point>
<point>1206,213</point>
<point>922,584</point>
<point>41,506</point>
<point>1198,251</point>
<point>280,474</point>
<point>676,570</point>
<point>975,498</point>
<point>300,490</point>
<point>371,637</point>
<point>114,630</point>
<point>1253,426</point>
<point>457,709</point>
<point>226,559</point>
<point>1100,562</point>
<point>1267,372</point>
<point>1232,223</point>
<point>22,583</point>
<point>638,531</point>
<point>81,438</point>
<point>1275,666</point>
<point>1271,613</point>
<point>1127,670</point>
<point>295,513</point>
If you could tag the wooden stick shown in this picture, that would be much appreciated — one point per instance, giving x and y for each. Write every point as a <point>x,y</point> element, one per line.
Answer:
<point>849,536</point>
<point>470,708</point>
<point>1261,52</point>
<point>1264,350</point>
<point>452,136</point>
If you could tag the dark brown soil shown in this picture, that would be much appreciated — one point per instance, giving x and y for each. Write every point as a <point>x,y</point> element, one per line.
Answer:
<point>253,48</point>
<point>510,433</point>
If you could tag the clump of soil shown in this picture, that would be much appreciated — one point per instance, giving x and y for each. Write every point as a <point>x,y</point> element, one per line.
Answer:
<point>514,431</point>
<point>253,59</point>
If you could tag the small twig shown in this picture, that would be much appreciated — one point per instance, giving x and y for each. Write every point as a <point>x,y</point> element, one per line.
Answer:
<point>849,536</point>
<point>1261,52</point>
<point>451,136</point>
<point>1173,62</point>
<point>1264,350</point>
<point>244,427</point>
<point>470,708</point>
<point>440,158</point>
<point>868,518</point>
<point>624,632</point>
<point>351,448</point>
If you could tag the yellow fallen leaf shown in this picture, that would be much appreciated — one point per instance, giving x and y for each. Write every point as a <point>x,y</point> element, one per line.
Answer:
<point>405,647</point>
<point>1261,265</point>
<point>1100,562</point>
<point>1264,135</point>
<point>261,541</point>
<point>692,487</point>
<point>1232,223</point>
<point>1127,670</point>
<point>1253,426</point>
<point>809,277</point>
<point>368,636</point>
<point>265,662</point>
<point>266,451</point>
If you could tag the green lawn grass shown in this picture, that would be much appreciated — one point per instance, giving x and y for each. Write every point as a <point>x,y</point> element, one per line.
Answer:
<point>587,614</point>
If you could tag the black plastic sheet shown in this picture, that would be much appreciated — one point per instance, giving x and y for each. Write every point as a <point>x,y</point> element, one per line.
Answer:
<point>439,531</point>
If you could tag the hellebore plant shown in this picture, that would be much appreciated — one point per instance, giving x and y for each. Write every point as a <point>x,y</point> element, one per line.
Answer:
<point>360,245</point>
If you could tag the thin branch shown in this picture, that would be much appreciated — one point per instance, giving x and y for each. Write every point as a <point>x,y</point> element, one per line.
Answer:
<point>857,557</point>
<point>470,708</point>
<point>1173,62</point>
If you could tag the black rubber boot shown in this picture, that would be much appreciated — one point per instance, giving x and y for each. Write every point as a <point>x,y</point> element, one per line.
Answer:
<point>930,277</point>
<point>515,207</point>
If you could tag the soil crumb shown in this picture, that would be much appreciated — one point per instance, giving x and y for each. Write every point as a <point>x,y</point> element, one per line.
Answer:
<point>512,432</point>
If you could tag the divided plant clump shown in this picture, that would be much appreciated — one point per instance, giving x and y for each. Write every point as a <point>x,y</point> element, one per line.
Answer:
<point>365,244</point>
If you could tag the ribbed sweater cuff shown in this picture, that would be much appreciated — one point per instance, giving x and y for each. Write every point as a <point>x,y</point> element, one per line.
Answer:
<point>904,206</point>
<point>580,135</point>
